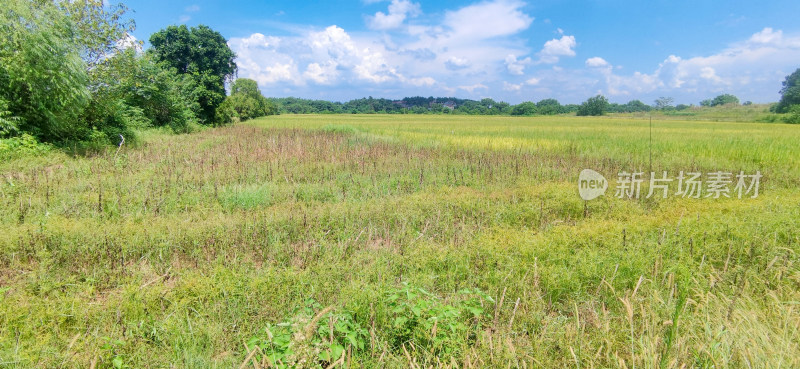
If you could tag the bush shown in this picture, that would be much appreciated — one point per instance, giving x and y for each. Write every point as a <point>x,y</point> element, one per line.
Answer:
<point>793,117</point>
<point>23,145</point>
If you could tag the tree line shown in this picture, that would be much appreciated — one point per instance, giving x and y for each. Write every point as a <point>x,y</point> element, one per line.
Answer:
<point>596,105</point>
<point>442,105</point>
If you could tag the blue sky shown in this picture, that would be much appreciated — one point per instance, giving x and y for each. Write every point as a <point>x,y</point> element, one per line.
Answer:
<point>504,49</point>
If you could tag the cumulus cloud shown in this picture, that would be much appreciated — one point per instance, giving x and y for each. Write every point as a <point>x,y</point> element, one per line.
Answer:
<point>325,57</point>
<point>466,49</point>
<point>398,11</point>
<point>556,48</point>
<point>597,62</point>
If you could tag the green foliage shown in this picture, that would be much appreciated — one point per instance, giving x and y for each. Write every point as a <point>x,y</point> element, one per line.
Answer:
<point>793,115</point>
<point>634,106</point>
<point>724,99</point>
<point>42,76</point>
<point>525,108</point>
<point>549,107</point>
<point>422,319</point>
<point>790,93</point>
<point>57,73</point>
<point>101,28</point>
<point>597,105</point>
<point>21,146</point>
<point>416,320</point>
<point>8,123</point>
<point>664,102</point>
<point>313,337</point>
<point>164,96</point>
<point>246,100</point>
<point>202,53</point>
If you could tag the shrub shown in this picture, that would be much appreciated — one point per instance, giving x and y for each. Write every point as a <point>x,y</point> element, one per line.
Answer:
<point>313,337</point>
<point>793,116</point>
<point>23,145</point>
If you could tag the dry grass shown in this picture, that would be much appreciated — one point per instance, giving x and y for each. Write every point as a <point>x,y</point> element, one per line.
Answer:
<point>175,253</point>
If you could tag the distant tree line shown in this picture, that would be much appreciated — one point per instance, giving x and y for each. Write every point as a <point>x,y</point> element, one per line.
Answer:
<point>444,105</point>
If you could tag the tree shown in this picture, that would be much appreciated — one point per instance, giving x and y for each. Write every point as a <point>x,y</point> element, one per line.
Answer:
<point>246,100</point>
<point>202,53</point>
<point>42,77</point>
<point>664,102</point>
<point>724,99</point>
<point>790,93</point>
<point>597,105</point>
<point>634,106</point>
<point>525,108</point>
<point>549,107</point>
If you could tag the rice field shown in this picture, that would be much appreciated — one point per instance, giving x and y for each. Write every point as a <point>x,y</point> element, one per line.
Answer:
<point>399,241</point>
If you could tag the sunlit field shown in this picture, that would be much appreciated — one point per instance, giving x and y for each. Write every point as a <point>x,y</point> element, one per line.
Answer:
<point>402,241</point>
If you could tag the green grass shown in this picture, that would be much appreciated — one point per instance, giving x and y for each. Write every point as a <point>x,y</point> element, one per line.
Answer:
<point>191,250</point>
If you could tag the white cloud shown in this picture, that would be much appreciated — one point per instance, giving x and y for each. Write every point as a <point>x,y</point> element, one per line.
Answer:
<point>515,66</point>
<point>767,36</point>
<point>422,81</point>
<point>472,88</point>
<point>486,20</point>
<point>184,18</point>
<point>511,87</point>
<point>556,48</point>
<point>533,81</point>
<point>192,8</point>
<point>456,63</point>
<point>322,74</point>
<point>398,11</point>
<point>597,62</point>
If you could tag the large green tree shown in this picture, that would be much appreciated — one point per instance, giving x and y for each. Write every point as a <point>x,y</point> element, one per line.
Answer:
<point>42,77</point>
<point>246,100</point>
<point>202,53</point>
<point>597,105</point>
<point>790,93</point>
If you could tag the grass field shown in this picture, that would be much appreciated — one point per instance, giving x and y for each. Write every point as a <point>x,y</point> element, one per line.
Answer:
<point>402,241</point>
